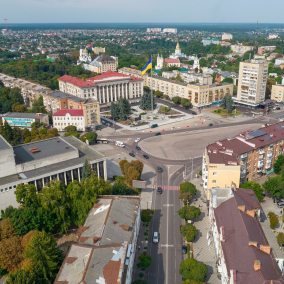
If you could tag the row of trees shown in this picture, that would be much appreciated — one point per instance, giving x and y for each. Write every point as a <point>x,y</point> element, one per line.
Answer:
<point>10,99</point>
<point>121,109</point>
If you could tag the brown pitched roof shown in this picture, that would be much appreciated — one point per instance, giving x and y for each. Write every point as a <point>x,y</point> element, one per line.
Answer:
<point>239,229</point>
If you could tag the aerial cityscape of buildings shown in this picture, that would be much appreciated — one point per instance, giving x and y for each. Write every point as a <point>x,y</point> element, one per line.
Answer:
<point>165,173</point>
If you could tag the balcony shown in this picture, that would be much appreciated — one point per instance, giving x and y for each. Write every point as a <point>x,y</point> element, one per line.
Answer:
<point>260,164</point>
<point>260,157</point>
<point>262,151</point>
<point>259,170</point>
<point>269,154</point>
<point>244,156</point>
<point>268,165</point>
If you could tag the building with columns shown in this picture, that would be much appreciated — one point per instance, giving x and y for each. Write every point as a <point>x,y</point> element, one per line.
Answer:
<point>105,88</point>
<point>58,158</point>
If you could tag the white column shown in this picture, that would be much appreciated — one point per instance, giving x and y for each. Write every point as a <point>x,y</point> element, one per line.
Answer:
<point>122,90</point>
<point>104,99</point>
<point>127,90</point>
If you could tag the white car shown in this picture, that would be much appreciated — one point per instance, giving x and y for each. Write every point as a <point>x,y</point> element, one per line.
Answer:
<point>137,139</point>
<point>155,237</point>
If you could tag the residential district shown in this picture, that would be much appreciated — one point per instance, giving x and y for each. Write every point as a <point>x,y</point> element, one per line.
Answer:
<point>115,170</point>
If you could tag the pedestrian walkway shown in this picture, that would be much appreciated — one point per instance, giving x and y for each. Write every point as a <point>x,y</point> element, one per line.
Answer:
<point>203,248</point>
<point>167,187</point>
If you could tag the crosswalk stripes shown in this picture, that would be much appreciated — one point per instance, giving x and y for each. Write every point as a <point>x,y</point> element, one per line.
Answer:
<point>167,187</point>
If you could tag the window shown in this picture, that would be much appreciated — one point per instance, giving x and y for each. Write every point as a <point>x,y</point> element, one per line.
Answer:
<point>214,181</point>
<point>214,174</point>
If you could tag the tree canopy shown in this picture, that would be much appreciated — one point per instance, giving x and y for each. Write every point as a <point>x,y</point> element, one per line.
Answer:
<point>256,188</point>
<point>192,269</point>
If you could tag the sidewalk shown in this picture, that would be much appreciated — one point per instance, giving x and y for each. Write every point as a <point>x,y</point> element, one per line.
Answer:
<point>201,251</point>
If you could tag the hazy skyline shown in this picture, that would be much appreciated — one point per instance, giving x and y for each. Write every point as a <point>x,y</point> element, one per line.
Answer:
<point>183,11</point>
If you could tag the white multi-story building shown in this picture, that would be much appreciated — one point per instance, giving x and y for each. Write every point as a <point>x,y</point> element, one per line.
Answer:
<point>154,30</point>
<point>105,88</point>
<point>272,36</point>
<point>240,49</point>
<point>170,30</point>
<point>226,36</point>
<point>279,61</point>
<point>67,117</point>
<point>252,82</point>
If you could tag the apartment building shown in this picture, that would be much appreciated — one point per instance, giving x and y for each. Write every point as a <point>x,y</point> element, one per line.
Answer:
<point>240,49</point>
<point>103,63</point>
<point>277,92</point>
<point>30,91</point>
<point>98,50</point>
<point>154,30</point>
<point>208,41</point>
<point>248,156</point>
<point>199,95</point>
<point>104,88</point>
<point>170,30</point>
<point>263,49</point>
<point>252,82</point>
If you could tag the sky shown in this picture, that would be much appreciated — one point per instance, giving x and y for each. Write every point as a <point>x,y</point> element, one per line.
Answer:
<point>151,11</point>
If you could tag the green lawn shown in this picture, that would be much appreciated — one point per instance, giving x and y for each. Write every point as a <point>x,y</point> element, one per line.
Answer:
<point>224,112</point>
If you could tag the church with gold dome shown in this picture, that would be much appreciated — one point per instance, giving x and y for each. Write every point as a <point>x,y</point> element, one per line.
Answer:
<point>177,53</point>
<point>84,57</point>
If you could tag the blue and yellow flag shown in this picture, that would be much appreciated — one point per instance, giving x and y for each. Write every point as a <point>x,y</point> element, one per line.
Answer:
<point>147,66</point>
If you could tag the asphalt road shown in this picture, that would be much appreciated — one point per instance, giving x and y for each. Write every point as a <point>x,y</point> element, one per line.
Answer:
<point>167,255</point>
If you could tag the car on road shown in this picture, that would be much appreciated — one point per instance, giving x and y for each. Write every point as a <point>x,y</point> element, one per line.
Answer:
<point>146,156</point>
<point>159,190</point>
<point>160,169</point>
<point>137,139</point>
<point>155,237</point>
<point>132,154</point>
<point>280,204</point>
<point>138,148</point>
<point>157,133</point>
<point>210,124</point>
<point>208,118</point>
<point>154,125</point>
<point>184,249</point>
<point>194,113</point>
<point>279,201</point>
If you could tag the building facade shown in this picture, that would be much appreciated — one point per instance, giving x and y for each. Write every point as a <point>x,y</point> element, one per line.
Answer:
<point>103,63</point>
<point>263,49</point>
<point>30,91</point>
<point>277,92</point>
<point>98,50</point>
<point>170,30</point>
<point>247,156</point>
<point>252,82</point>
<point>208,41</point>
<point>177,54</point>
<point>105,88</point>
<point>199,95</point>
<point>240,49</point>
<point>154,30</point>
<point>226,36</point>
<point>133,72</point>
<point>23,120</point>
<point>40,162</point>
<point>84,57</point>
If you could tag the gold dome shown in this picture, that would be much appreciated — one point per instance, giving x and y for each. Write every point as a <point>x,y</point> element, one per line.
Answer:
<point>178,46</point>
<point>85,50</point>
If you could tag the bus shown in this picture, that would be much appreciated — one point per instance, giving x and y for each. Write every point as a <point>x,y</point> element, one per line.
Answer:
<point>101,140</point>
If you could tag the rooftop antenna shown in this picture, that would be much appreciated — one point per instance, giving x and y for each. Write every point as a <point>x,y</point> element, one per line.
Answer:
<point>6,24</point>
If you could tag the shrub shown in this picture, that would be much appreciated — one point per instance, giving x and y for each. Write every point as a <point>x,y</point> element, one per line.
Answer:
<point>145,260</point>
<point>187,187</point>
<point>273,220</point>
<point>193,270</point>
<point>280,238</point>
<point>146,215</point>
<point>189,212</point>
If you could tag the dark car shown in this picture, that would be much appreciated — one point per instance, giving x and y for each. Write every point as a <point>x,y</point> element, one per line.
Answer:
<point>184,249</point>
<point>158,133</point>
<point>146,156</point>
<point>138,148</point>
<point>132,154</point>
<point>194,113</point>
<point>278,108</point>
<point>210,124</point>
<point>154,125</point>
<point>159,190</point>
<point>160,169</point>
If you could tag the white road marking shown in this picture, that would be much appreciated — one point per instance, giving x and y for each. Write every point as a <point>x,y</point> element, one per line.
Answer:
<point>167,246</point>
<point>168,205</point>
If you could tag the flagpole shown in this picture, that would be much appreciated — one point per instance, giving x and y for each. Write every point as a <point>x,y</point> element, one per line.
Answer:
<point>152,88</point>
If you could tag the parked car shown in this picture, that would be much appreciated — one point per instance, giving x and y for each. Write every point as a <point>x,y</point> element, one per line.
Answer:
<point>210,124</point>
<point>137,139</point>
<point>154,125</point>
<point>160,169</point>
<point>138,148</point>
<point>132,154</point>
<point>280,204</point>
<point>159,190</point>
<point>157,133</point>
<point>194,113</point>
<point>184,249</point>
<point>146,156</point>
<point>155,237</point>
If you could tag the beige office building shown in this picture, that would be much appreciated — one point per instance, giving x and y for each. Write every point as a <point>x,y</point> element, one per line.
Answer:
<point>252,82</point>
<point>277,93</point>
<point>199,95</point>
<point>98,50</point>
<point>241,49</point>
